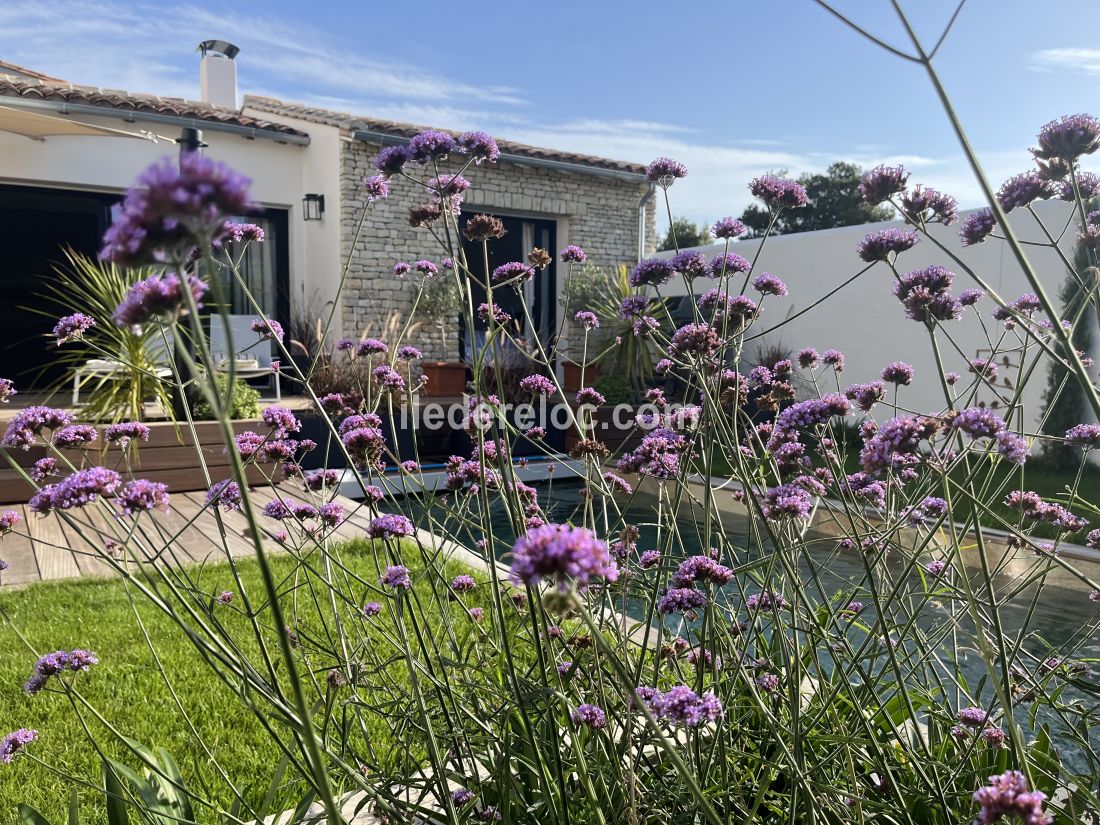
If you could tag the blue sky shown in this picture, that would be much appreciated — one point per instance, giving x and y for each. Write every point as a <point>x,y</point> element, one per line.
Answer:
<point>732,89</point>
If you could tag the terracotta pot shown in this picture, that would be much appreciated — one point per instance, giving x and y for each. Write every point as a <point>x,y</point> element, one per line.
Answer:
<point>573,375</point>
<point>444,378</point>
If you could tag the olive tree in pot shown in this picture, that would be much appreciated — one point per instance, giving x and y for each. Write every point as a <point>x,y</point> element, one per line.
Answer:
<point>440,302</point>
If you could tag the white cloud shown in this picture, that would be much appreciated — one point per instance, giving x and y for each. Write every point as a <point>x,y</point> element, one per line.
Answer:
<point>1081,60</point>
<point>127,45</point>
<point>141,47</point>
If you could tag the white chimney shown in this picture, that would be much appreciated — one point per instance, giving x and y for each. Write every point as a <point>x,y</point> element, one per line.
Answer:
<point>218,73</point>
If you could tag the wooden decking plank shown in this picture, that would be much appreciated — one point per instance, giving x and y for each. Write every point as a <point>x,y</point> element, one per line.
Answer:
<point>86,532</point>
<point>235,524</point>
<point>51,548</point>
<point>357,517</point>
<point>182,521</point>
<point>18,551</point>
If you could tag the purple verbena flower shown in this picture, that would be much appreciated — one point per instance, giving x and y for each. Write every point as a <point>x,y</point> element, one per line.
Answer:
<point>376,187</point>
<point>682,705</point>
<point>681,600</point>
<point>14,742</point>
<point>1068,138</point>
<point>898,372</point>
<point>479,146</point>
<point>125,432</point>
<point>573,254</point>
<point>926,204</point>
<point>431,144</point>
<point>665,171</point>
<point>690,264</point>
<point>882,183</point>
<point>1007,796</point>
<point>74,435</point>
<point>586,319</point>
<point>728,263</point>
<point>225,494</point>
<point>390,525</point>
<point>396,577</point>
<point>591,716</point>
<point>1024,189</point>
<point>391,160</point>
<point>807,358</point>
<point>537,385</point>
<point>157,297</point>
<point>562,553</point>
<point>175,206</point>
<point>767,284</point>
<point>727,228</point>
<point>72,327</point>
<point>977,226</point>
<point>880,245</point>
<point>1084,435</point>
<point>778,193</point>
<point>515,271</point>
<point>142,494</point>
<point>267,328</point>
<point>833,358</point>
<point>80,488</point>
<point>651,272</point>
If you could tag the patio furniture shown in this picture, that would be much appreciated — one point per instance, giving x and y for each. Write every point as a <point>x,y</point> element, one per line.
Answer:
<point>107,369</point>
<point>252,356</point>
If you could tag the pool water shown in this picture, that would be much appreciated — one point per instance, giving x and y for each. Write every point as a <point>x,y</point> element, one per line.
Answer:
<point>1063,620</point>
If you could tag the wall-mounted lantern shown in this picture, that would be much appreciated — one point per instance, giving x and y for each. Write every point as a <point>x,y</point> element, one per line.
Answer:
<point>313,207</point>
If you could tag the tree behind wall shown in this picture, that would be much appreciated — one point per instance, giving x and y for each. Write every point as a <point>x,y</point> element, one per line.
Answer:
<point>687,233</point>
<point>833,200</point>
<point>1064,400</point>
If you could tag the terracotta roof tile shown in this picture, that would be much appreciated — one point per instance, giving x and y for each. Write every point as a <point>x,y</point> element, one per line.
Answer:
<point>41,88</point>
<point>349,122</point>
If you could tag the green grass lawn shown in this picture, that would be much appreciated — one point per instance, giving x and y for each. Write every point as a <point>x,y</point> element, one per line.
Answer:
<point>130,690</point>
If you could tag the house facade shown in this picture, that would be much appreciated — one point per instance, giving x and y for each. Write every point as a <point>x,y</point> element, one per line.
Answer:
<point>546,198</point>
<point>68,152</point>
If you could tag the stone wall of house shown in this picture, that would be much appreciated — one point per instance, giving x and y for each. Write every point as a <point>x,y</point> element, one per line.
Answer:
<point>602,216</point>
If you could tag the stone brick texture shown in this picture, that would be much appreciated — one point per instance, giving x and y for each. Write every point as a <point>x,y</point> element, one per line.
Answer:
<point>601,215</point>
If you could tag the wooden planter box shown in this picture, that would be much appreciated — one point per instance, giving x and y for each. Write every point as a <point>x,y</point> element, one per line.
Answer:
<point>444,378</point>
<point>169,456</point>
<point>619,439</point>
<point>572,375</point>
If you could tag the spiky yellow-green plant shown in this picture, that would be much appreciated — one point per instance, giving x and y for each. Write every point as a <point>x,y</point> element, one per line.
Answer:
<point>85,284</point>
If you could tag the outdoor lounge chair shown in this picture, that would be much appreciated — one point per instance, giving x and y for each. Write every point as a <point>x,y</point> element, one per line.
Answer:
<point>252,354</point>
<point>107,369</point>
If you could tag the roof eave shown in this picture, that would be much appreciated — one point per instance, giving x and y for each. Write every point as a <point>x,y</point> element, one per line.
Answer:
<point>366,135</point>
<point>133,115</point>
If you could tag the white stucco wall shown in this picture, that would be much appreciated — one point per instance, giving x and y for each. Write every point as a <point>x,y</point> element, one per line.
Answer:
<point>868,324</point>
<point>281,174</point>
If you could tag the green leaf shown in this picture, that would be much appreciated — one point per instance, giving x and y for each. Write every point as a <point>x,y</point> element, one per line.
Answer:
<point>115,794</point>
<point>30,816</point>
<point>74,808</point>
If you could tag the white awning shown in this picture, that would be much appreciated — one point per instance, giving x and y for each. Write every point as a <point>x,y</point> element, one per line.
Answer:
<point>39,126</point>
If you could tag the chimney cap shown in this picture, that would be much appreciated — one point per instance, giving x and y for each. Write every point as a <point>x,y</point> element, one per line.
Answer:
<point>222,47</point>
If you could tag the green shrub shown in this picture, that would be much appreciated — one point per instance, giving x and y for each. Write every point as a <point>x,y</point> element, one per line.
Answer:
<point>245,402</point>
<point>615,388</point>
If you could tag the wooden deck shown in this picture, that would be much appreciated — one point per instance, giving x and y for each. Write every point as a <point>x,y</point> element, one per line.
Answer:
<point>69,545</point>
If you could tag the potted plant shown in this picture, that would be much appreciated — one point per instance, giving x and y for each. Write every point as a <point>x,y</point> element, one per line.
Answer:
<point>617,363</point>
<point>588,289</point>
<point>440,302</point>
